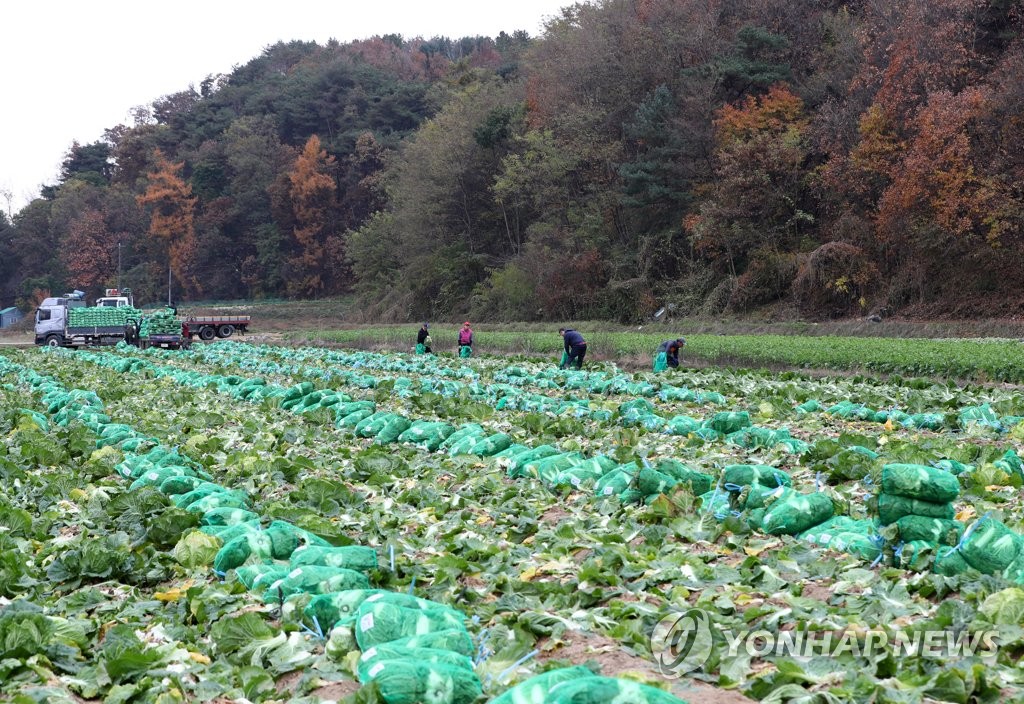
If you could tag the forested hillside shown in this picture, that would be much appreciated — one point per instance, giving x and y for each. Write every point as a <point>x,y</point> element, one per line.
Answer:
<point>710,154</point>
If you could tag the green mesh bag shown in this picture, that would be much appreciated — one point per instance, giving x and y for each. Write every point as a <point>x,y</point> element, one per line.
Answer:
<point>796,513</point>
<point>608,690</point>
<point>891,508</point>
<point>341,410</point>
<point>284,533</point>
<point>421,348</point>
<point>809,406</point>
<point>353,557</point>
<point>200,492</point>
<point>517,463</point>
<point>954,467</point>
<point>277,542</point>
<point>465,445</point>
<point>180,484</point>
<point>755,519</point>
<point>728,422</point>
<point>615,481</point>
<point>512,451</point>
<point>1014,572</point>
<point>1010,463</point>
<point>390,432</point>
<point>329,608</point>
<point>698,482</point>
<point>233,499</point>
<point>651,481</point>
<point>387,652</point>
<point>640,405</point>
<point>758,496</point>
<point>228,533</point>
<point>927,421</point>
<point>935,530</point>
<point>834,524</point>
<point>454,639</point>
<point>660,362</point>
<point>404,682</point>
<point>157,476</point>
<point>918,481</point>
<point>754,437</point>
<point>744,474</point>
<point>378,623</point>
<point>914,555</point>
<point>854,543</point>
<point>228,516</point>
<point>423,431</point>
<point>564,360</point>
<point>715,502</point>
<point>949,562</point>
<point>464,431</point>
<point>978,414</point>
<point>408,601</point>
<point>634,496</point>
<point>236,552</point>
<point>535,690</point>
<point>588,471</point>
<point>491,445</point>
<point>682,425</point>
<point>372,425</point>
<point>989,546</point>
<point>248,574</point>
<point>354,418</point>
<point>465,351</point>
<point>548,468</point>
<point>315,579</point>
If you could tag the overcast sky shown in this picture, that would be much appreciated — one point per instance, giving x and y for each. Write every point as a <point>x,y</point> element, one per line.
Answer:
<point>72,68</point>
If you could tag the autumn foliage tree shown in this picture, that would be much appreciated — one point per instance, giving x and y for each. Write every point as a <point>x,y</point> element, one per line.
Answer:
<point>320,252</point>
<point>89,252</point>
<point>757,198</point>
<point>171,206</point>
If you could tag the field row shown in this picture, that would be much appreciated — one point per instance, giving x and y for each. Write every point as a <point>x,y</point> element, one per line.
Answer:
<point>979,360</point>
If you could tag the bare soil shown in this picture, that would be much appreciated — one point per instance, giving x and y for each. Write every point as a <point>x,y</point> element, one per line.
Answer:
<point>581,647</point>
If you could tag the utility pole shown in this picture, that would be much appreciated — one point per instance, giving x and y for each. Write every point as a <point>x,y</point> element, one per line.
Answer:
<point>118,266</point>
<point>168,282</point>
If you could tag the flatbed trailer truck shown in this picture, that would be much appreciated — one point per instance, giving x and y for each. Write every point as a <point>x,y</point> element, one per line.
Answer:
<point>207,327</point>
<point>53,326</point>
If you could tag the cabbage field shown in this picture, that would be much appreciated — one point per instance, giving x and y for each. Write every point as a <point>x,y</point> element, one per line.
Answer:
<point>254,523</point>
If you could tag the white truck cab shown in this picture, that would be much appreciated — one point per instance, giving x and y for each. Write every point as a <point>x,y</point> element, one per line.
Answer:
<point>51,317</point>
<point>116,298</point>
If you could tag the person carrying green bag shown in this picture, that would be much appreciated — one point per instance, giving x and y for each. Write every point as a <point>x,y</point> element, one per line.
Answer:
<point>423,340</point>
<point>668,354</point>
<point>465,340</point>
<point>575,348</point>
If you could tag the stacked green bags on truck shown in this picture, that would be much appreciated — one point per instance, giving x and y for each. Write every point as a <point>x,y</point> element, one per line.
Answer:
<point>163,322</point>
<point>102,316</point>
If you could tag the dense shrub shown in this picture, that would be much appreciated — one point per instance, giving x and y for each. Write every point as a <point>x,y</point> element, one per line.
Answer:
<point>835,280</point>
<point>768,278</point>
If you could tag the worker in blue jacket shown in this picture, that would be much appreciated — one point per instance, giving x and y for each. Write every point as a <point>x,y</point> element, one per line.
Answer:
<point>671,350</point>
<point>575,348</point>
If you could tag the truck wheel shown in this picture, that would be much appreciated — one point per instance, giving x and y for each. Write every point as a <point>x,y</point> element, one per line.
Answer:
<point>52,341</point>
<point>207,333</point>
<point>225,330</point>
